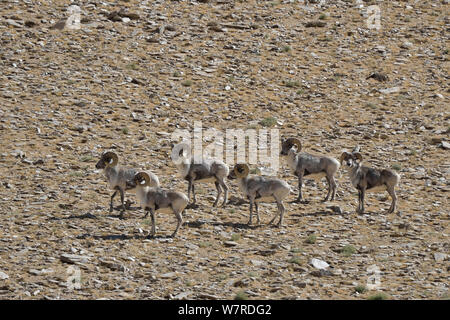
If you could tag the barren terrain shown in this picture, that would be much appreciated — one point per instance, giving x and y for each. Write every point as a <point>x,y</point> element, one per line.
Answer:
<point>126,80</point>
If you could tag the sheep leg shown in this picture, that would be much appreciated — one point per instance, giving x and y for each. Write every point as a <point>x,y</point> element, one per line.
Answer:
<point>251,213</point>
<point>252,200</point>
<point>333,187</point>
<point>361,193</point>
<point>358,209</point>
<point>152,214</point>
<point>394,200</point>
<point>193,193</point>
<point>225,196</point>
<point>300,183</point>
<point>257,213</point>
<point>179,223</point>
<point>219,191</point>
<point>276,214</point>
<point>281,209</point>
<point>329,190</point>
<point>189,189</point>
<point>122,198</point>
<point>111,207</point>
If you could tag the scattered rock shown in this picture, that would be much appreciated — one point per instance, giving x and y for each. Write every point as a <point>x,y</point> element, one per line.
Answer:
<point>319,264</point>
<point>257,262</point>
<point>336,209</point>
<point>390,90</point>
<point>113,265</point>
<point>230,243</point>
<point>18,154</point>
<point>30,23</point>
<point>14,23</point>
<point>445,145</point>
<point>182,295</point>
<point>378,76</point>
<point>439,257</point>
<point>315,24</point>
<point>321,273</point>
<point>168,275</point>
<point>406,45</point>
<point>207,296</point>
<point>60,25</point>
<point>436,140</point>
<point>73,258</point>
<point>40,272</point>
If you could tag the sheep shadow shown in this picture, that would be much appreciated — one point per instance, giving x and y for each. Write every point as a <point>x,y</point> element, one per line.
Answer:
<point>194,224</point>
<point>192,206</point>
<point>87,215</point>
<point>108,236</point>
<point>299,202</point>
<point>318,213</point>
<point>238,225</point>
<point>127,208</point>
<point>121,237</point>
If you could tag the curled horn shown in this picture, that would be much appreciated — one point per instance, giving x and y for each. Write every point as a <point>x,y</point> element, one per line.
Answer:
<point>143,175</point>
<point>296,142</point>
<point>113,156</point>
<point>241,170</point>
<point>344,156</point>
<point>358,156</point>
<point>181,148</point>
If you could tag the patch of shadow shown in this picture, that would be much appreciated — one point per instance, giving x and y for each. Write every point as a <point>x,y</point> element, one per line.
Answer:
<point>127,207</point>
<point>368,214</point>
<point>76,216</point>
<point>110,237</point>
<point>235,201</point>
<point>132,208</point>
<point>275,225</point>
<point>158,236</point>
<point>237,225</point>
<point>115,216</point>
<point>125,216</point>
<point>192,206</point>
<point>194,224</point>
<point>300,202</point>
<point>315,214</point>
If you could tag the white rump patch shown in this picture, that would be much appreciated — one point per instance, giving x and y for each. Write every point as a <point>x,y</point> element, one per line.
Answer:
<point>142,182</point>
<point>111,161</point>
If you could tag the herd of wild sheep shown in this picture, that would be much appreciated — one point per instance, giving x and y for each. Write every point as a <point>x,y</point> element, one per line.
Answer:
<point>255,188</point>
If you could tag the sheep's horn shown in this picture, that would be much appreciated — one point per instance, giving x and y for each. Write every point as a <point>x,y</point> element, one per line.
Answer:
<point>296,142</point>
<point>344,156</point>
<point>241,170</point>
<point>183,146</point>
<point>145,176</point>
<point>358,156</point>
<point>113,156</point>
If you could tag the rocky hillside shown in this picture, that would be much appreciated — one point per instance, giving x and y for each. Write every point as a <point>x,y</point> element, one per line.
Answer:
<point>134,71</point>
